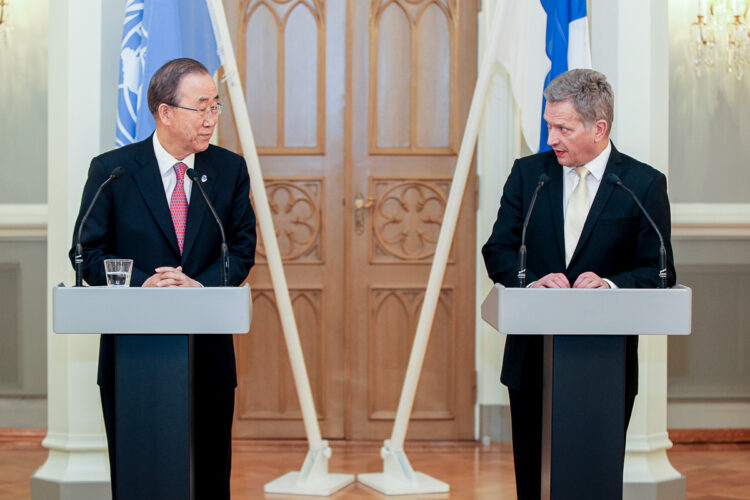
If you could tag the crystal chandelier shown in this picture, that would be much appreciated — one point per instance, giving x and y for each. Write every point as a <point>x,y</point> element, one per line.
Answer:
<point>721,28</point>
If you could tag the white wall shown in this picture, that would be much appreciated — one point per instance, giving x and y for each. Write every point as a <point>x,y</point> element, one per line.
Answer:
<point>709,126</point>
<point>23,101</point>
<point>23,195</point>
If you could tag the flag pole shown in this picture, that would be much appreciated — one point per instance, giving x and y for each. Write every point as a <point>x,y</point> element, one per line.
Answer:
<point>398,477</point>
<point>313,478</point>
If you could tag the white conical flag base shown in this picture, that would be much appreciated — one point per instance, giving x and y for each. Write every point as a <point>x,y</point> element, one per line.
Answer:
<point>398,478</point>
<point>313,479</point>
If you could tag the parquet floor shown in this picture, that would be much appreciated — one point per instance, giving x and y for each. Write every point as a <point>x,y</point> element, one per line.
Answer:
<point>474,471</point>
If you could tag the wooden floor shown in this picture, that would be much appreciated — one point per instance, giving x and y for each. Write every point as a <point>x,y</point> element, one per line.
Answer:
<point>473,471</point>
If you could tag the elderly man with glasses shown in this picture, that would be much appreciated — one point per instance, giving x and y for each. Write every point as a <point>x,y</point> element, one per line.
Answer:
<point>152,215</point>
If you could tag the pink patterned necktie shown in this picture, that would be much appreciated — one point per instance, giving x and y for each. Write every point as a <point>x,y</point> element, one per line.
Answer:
<point>178,204</point>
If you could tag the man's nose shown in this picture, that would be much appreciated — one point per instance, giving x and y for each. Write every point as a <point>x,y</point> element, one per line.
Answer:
<point>552,138</point>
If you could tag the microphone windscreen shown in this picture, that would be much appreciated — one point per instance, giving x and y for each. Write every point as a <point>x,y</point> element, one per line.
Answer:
<point>192,174</point>
<point>613,179</point>
<point>543,177</point>
<point>117,172</point>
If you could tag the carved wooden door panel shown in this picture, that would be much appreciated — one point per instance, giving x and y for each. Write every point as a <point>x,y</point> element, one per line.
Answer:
<point>291,57</point>
<point>347,97</point>
<point>412,76</point>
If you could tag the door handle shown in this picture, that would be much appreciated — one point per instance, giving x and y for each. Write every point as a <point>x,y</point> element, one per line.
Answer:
<point>360,205</point>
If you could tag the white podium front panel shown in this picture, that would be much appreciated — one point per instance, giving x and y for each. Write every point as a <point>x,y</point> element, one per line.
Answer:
<point>573,311</point>
<point>138,310</point>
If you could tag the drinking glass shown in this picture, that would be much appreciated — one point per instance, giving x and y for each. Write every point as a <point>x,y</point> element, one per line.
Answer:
<point>118,271</point>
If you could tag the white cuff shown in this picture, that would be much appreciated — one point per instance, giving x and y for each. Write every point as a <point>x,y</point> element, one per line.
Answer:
<point>610,283</point>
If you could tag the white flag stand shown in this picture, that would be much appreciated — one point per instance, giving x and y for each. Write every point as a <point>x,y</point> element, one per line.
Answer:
<point>314,478</point>
<point>398,477</point>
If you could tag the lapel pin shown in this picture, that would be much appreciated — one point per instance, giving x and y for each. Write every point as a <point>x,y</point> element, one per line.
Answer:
<point>204,178</point>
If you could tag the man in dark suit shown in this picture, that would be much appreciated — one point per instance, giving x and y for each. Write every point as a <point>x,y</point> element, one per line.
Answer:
<point>153,216</point>
<point>584,232</point>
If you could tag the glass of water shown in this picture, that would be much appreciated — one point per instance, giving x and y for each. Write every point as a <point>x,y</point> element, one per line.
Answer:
<point>118,271</point>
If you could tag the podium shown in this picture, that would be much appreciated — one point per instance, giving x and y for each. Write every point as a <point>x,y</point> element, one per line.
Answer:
<point>584,333</point>
<point>153,375</point>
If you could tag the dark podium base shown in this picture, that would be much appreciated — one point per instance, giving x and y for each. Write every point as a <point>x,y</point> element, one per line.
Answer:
<point>153,423</point>
<point>583,434</point>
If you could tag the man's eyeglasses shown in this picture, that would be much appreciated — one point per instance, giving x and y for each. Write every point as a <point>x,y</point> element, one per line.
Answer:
<point>214,110</point>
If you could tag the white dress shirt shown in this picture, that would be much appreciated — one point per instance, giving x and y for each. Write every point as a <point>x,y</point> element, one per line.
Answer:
<point>168,175</point>
<point>596,169</point>
<point>166,168</point>
<point>596,172</point>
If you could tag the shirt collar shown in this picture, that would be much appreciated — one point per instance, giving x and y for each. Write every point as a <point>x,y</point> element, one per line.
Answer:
<point>596,166</point>
<point>166,161</point>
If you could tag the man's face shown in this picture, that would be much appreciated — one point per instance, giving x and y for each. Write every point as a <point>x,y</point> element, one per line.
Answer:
<point>190,131</point>
<point>568,137</point>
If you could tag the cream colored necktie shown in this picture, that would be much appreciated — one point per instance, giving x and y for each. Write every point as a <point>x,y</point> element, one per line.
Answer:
<point>575,216</point>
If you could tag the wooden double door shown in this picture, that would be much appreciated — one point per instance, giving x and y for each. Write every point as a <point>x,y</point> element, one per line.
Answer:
<point>358,107</point>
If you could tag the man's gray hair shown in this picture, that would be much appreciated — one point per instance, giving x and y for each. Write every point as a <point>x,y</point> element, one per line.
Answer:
<point>589,91</point>
<point>165,84</point>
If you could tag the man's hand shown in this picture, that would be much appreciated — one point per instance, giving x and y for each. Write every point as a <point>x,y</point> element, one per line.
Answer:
<point>170,276</point>
<point>552,280</point>
<point>590,280</point>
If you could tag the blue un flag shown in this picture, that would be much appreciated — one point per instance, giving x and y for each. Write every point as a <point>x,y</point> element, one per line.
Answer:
<point>157,31</point>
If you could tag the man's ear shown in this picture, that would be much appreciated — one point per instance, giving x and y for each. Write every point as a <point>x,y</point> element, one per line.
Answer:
<point>601,130</point>
<point>164,113</point>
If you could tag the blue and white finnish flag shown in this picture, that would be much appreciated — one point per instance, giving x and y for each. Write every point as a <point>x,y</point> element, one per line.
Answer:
<point>157,31</point>
<point>540,39</point>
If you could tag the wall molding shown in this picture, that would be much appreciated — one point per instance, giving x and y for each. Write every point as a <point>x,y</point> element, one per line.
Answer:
<point>703,436</point>
<point>23,220</point>
<point>711,220</point>
<point>13,435</point>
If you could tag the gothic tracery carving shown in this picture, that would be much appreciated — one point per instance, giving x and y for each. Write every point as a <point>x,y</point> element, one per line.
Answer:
<point>295,208</point>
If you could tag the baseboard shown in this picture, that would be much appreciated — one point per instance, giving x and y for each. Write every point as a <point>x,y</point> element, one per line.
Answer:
<point>700,436</point>
<point>9,434</point>
<point>494,423</point>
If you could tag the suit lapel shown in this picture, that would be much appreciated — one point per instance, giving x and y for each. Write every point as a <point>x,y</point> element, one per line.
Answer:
<point>149,182</point>
<point>600,200</point>
<point>555,197</point>
<point>197,209</point>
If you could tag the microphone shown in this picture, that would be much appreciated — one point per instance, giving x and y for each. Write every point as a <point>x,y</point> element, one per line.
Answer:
<point>662,249</point>
<point>116,173</point>
<point>543,178</point>
<point>193,175</point>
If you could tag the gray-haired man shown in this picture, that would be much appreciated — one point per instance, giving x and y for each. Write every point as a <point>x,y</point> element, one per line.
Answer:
<point>153,216</point>
<point>584,233</point>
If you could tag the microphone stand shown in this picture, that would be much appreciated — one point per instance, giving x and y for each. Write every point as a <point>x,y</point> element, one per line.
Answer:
<point>78,258</point>
<point>662,247</point>
<point>193,175</point>
<point>543,178</point>
<point>224,263</point>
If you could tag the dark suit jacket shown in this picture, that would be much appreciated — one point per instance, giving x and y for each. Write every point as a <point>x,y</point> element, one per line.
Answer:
<point>132,220</point>
<point>617,243</point>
